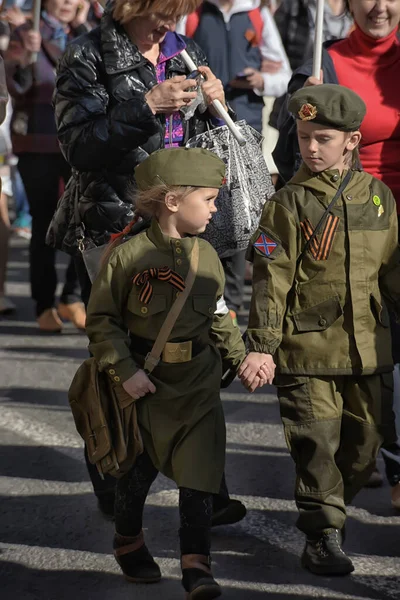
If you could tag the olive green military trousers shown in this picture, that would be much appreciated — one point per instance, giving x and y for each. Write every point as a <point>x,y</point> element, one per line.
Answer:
<point>334,427</point>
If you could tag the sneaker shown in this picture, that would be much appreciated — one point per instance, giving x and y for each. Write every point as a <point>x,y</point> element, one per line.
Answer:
<point>6,306</point>
<point>74,312</point>
<point>232,513</point>
<point>324,556</point>
<point>23,232</point>
<point>395,493</point>
<point>50,321</point>
<point>375,479</point>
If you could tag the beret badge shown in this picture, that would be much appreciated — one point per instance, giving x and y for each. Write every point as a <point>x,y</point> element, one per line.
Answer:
<point>307,112</point>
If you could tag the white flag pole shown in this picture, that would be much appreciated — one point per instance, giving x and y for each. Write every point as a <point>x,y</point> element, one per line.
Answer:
<point>36,23</point>
<point>318,39</point>
<point>217,104</point>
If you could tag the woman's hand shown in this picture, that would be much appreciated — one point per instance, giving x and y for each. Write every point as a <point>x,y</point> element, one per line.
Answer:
<point>81,14</point>
<point>170,95</point>
<point>19,52</point>
<point>256,370</point>
<point>314,80</point>
<point>138,385</point>
<point>32,40</point>
<point>212,88</point>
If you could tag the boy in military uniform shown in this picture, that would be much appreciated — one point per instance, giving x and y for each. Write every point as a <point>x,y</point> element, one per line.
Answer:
<point>179,410</point>
<point>326,265</point>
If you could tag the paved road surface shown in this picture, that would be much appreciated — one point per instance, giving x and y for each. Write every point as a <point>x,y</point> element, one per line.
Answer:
<point>55,545</point>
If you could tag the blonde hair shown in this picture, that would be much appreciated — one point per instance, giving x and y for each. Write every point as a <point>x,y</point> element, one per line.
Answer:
<point>147,204</point>
<point>126,10</point>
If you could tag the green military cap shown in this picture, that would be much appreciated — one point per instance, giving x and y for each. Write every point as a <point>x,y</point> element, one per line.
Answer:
<point>328,104</point>
<point>181,166</point>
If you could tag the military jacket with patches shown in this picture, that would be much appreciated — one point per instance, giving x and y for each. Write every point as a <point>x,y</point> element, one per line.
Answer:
<point>118,308</point>
<point>326,312</point>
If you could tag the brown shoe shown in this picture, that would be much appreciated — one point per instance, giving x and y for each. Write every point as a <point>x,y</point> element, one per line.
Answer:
<point>74,312</point>
<point>49,320</point>
<point>396,496</point>
<point>197,578</point>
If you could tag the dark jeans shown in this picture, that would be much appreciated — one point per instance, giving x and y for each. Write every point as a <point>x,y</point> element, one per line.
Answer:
<point>41,175</point>
<point>195,508</point>
<point>234,269</point>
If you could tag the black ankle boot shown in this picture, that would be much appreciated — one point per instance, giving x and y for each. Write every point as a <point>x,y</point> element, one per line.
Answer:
<point>136,562</point>
<point>233,512</point>
<point>324,556</point>
<point>197,578</point>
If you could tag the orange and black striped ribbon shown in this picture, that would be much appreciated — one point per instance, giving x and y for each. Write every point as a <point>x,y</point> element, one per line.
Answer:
<point>163,274</point>
<point>320,249</point>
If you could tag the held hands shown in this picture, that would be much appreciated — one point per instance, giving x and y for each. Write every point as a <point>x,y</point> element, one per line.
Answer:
<point>253,80</point>
<point>256,370</point>
<point>212,88</point>
<point>138,385</point>
<point>21,53</point>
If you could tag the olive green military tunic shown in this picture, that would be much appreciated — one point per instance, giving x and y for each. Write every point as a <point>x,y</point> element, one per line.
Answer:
<point>182,424</point>
<point>325,320</point>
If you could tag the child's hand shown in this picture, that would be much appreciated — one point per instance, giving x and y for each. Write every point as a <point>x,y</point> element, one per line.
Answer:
<point>138,385</point>
<point>256,370</point>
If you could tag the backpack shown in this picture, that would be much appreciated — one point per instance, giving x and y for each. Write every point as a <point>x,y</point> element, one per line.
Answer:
<point>255,17</point>
<point>105,417</point>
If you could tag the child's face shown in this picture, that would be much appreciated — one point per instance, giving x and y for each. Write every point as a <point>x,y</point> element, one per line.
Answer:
<point>323,148</point>
<point>195,210</point>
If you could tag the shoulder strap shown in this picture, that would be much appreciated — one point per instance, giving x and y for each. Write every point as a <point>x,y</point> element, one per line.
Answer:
<point>192,21</point>
<point>339,192</point>
<point>152,359</point>
<point>257,22</point>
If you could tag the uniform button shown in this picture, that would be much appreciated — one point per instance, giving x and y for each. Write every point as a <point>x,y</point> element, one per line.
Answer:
<point>348,197</point>
<point>178,261</point>
<point>177,243</point>
<point>322,322</point>
<point>112,372</point>
<point>144,310</point>
<point>116,378</point>
<point>178,294</point>
<point>211,311</point>
<point>335,177</point>
<point>178,250</point>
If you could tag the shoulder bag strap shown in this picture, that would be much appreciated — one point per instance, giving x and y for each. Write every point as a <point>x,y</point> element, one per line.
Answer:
<point>341,189</point>
<point>153,358</point>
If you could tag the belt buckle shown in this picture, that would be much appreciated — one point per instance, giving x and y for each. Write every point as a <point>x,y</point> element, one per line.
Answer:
<point>178,352</point>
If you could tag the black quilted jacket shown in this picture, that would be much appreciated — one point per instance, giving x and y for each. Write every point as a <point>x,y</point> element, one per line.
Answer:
<point>105,128</point>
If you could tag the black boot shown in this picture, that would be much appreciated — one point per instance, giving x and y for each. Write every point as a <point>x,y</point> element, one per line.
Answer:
<point>233,512</point>
<point>324,556</point>
<point>197,578</point>
<point>135,560</point>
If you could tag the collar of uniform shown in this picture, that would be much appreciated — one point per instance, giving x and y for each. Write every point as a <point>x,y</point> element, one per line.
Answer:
<point>323,185</point>
<point>164,242</point>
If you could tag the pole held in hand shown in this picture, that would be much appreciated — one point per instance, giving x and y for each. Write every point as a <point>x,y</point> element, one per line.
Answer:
<point>37,5</point>
<point>319,31</point>
<point>217,104</point>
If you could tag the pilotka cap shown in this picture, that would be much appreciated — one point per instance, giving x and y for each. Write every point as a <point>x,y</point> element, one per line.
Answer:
<point>181,166</point>
<point>332,105</point>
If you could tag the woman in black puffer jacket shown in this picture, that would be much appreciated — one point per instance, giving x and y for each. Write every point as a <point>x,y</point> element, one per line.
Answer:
<point>113,108</point>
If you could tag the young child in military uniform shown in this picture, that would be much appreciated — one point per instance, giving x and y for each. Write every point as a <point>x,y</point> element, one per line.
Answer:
<point>319,311</point>
<point>180,415</point>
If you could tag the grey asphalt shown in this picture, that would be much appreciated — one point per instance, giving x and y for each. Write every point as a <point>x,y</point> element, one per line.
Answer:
<point>55,545</point>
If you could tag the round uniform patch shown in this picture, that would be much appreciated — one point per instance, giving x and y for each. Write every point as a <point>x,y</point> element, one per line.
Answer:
<point>376,200</point>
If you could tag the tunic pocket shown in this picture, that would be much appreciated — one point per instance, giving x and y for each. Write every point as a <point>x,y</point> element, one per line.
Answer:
<point>206,305</point>
<point>157,304</point>
<point>379,310</point>
<point>318,317</point>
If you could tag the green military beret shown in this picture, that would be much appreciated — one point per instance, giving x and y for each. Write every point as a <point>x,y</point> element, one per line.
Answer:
<point>332,105</point>
<point>181,166</point>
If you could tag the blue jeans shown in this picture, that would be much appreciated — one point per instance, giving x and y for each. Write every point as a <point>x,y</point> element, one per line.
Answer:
<point>23,216</point>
